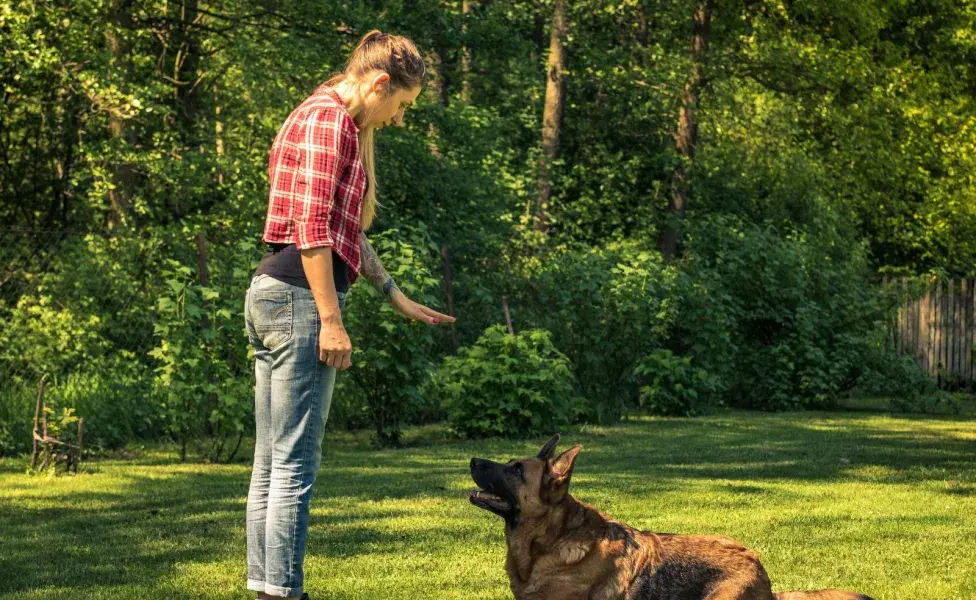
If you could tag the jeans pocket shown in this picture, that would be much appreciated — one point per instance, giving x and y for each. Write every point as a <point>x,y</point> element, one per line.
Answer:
<point>271,316</point>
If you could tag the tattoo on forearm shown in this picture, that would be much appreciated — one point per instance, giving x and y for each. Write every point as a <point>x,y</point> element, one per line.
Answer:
<point>372,269</point>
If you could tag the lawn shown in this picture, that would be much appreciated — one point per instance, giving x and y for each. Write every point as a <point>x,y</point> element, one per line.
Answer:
<point>884,505</point>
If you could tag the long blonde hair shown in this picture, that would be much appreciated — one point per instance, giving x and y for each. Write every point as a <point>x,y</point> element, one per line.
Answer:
<point>398,57</point>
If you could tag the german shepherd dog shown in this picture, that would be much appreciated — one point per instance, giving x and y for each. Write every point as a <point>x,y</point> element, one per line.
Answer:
<point>562,549</point>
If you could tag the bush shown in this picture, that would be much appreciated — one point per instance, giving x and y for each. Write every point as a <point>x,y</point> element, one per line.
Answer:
<point>508,385</point>
<point>113,394</point>
<point>801,310</point>
<point>606,308</point>
<point>392,357</point>
<point>675,386</point>
<point>900,379</point>
<point>201,354</point>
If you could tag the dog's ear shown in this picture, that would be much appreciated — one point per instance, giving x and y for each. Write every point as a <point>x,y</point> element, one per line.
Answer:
<point>562,467</point>
<point>558,473</point>
<point>546,451</point>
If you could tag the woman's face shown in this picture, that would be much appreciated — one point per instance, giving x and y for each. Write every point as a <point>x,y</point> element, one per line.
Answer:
<point>382,109</point>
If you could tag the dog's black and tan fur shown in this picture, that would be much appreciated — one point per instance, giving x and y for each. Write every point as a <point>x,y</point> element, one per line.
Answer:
<point>562,549</point>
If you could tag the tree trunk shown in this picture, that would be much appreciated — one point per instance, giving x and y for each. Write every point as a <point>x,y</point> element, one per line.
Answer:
<point>687,135</point>
<point>436,87</point>
<point>552,114</point>
<point>66,113</point>
<point>641,25</point>
<point>187,61</point>
<point>218,136</point>
<point>538,35</point>
<point>444,75</point>
<point>123,174</point>
<point>465,52</point>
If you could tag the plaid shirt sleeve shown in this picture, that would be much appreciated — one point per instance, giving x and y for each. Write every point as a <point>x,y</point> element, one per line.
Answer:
<point>323,153</point>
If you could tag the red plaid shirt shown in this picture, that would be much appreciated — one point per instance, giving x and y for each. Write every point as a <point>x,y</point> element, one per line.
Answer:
<point>317,180</point>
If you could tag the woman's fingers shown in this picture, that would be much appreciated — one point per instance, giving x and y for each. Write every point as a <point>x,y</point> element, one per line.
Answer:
<point>419,312</point>
<point>436,315</point>
<point>339,360</point>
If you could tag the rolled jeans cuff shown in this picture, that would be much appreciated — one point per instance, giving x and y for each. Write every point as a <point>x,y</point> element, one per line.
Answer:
<point>273,590</point>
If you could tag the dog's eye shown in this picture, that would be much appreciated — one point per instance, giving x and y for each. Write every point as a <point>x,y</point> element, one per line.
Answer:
<point>518,471</point>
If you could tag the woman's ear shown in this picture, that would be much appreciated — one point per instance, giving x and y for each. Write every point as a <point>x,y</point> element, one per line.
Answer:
<point>381,84</point>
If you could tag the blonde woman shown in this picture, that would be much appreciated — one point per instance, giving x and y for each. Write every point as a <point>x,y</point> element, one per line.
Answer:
<point>323,198</point>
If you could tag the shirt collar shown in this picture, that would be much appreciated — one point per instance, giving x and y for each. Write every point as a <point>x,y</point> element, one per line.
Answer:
<point>330,92</point>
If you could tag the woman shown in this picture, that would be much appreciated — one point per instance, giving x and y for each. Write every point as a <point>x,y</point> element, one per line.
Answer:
<point>323,196</point>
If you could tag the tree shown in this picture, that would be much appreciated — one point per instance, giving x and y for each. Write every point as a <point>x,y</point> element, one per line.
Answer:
<point>687,134</point>
<point>552,114</point>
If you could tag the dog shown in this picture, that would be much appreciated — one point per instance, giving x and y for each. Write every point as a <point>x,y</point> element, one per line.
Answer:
<point>562,549</point>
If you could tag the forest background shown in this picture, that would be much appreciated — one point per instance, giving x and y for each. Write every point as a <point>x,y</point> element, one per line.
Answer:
<point>660,207</point>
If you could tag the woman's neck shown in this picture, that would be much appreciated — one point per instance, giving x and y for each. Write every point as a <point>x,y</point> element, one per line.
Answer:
<point>348,90</point>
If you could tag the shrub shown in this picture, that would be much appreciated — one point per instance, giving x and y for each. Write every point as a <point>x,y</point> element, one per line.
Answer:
<point>392,356</point>
<point>802,312</point>
<point>899,379</point>
<point>508,385</point>
<point>606,308</point>
<point>674,385</point>
<point>199,348</point>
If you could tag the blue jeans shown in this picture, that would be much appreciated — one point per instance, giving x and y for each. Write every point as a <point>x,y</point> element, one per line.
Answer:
<point>292,395</point>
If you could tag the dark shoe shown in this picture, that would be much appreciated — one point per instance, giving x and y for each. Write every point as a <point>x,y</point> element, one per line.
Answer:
<point>304,596</point>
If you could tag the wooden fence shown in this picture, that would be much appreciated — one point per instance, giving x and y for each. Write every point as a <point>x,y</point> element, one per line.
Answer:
<point>937,328</point>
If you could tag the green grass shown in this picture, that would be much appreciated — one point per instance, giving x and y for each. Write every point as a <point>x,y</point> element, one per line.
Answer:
<point>884,505</point>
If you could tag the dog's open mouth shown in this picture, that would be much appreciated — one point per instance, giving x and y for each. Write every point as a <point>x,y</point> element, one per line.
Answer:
<point>488,501</point>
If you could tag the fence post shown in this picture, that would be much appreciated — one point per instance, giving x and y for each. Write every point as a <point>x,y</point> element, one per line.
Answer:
<point>967,337</point>
<point>939,315</point>
<point>956,326</point>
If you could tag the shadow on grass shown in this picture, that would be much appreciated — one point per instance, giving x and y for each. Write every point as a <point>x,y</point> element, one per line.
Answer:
<point>797,446</point>
<point>159,516</point>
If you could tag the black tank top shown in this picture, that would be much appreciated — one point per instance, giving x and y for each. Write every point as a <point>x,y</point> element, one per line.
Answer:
<point>284,263</point>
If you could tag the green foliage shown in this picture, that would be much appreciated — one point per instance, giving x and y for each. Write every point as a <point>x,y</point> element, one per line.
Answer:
<point>837,137</point>
<point>899,379</point>
<point>200,354</point>
<point>392,357</point>
<point>675,386</point>
<point>508,385</point>
<point>606,307</point>
<point>802,311</point>
<point>81,322</point>
<point>60,424</point>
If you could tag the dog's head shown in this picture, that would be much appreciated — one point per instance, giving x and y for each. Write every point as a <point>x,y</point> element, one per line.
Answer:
<point>529,487</point>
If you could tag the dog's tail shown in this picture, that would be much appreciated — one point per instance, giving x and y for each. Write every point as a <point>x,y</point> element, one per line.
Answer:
<point>821,595</point>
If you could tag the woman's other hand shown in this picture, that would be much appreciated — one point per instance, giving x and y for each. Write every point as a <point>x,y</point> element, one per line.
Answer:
<point>335,348</point>
<point>410,309</point>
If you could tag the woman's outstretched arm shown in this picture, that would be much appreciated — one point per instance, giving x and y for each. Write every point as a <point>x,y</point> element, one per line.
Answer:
<point>372,269</point>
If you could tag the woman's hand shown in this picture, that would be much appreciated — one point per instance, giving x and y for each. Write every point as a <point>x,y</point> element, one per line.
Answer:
<point>335,348</point>
<point>410,309</point>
